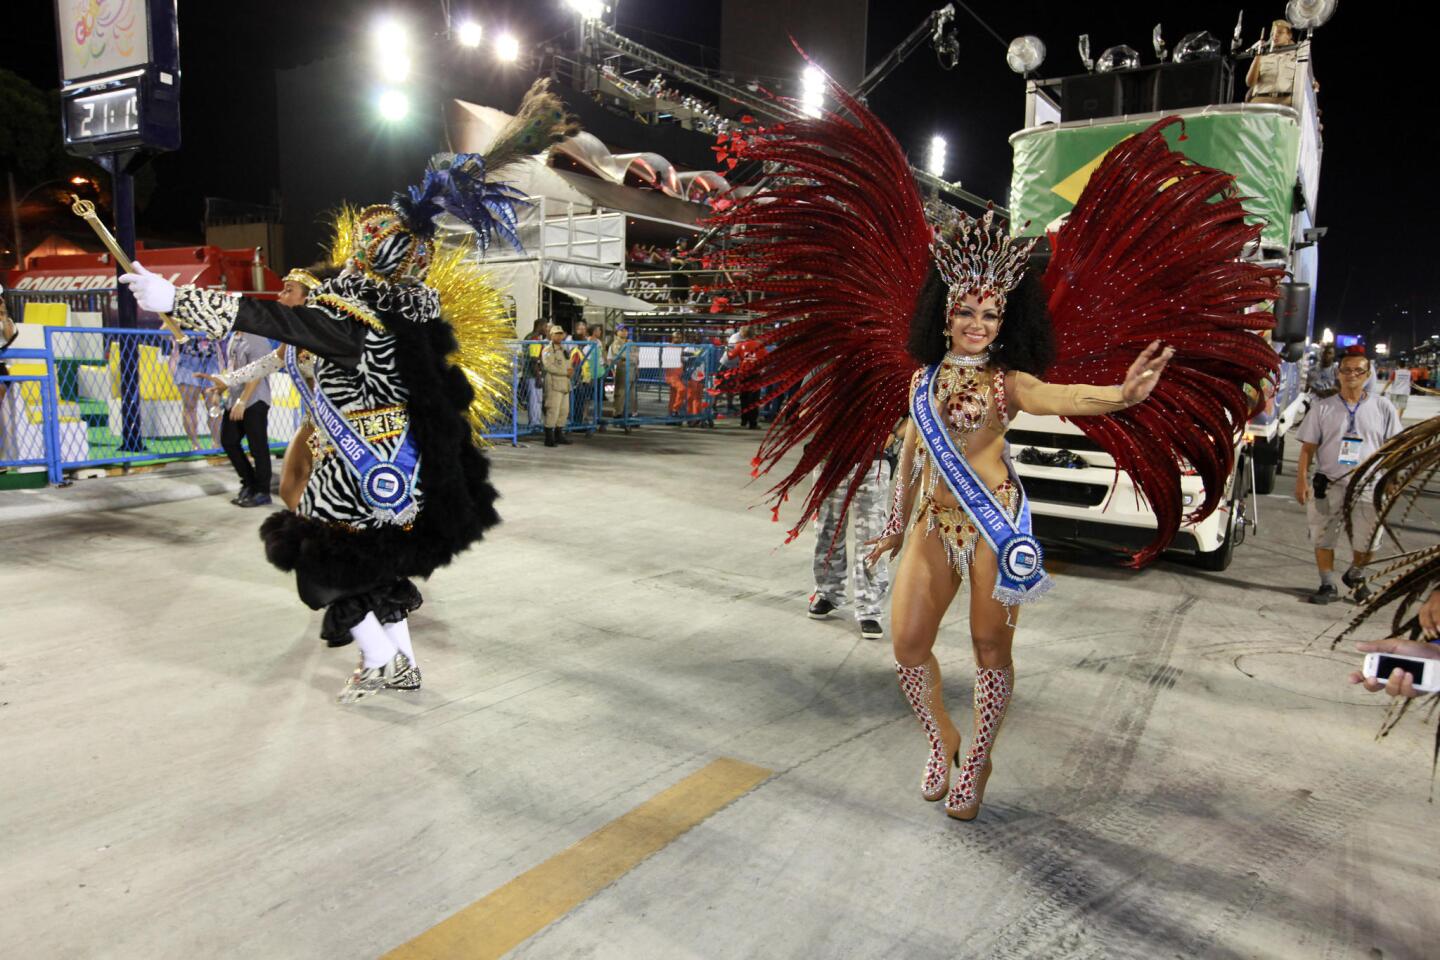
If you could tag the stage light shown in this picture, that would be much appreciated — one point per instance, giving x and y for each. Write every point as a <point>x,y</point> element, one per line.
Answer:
<point>1328,336</point>
<point>1025,54</point>
<point>589,9</point>
<point>390,42</point>
<point>935,162</point>
<point>393,105</point>
<point>1382,349</point>
<point>468,34</point>
<point>79,181</point>
<point>507,48</point>
<point>812,91</point>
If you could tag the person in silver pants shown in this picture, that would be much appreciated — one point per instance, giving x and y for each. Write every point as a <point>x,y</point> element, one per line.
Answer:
<point>866,516</point>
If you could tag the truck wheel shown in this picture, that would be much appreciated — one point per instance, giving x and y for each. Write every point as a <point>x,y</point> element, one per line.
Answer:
<point>1219,559</point>
<point>1265,478</point>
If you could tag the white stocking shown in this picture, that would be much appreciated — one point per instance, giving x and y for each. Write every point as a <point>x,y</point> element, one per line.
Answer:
<point>376,647</point>
<point>399,634</point>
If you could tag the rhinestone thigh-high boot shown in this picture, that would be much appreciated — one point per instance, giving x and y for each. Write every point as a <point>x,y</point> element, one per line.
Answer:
<point>993,689</point>
<point>921,685</point>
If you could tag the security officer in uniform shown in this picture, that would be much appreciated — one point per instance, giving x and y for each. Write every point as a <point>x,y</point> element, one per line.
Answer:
<point>555,365</point>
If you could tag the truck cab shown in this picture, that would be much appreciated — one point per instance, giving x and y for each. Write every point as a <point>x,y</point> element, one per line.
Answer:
<point>1273,148</point>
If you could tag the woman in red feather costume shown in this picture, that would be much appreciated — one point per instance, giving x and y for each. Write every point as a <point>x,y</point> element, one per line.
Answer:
<point>865,289</point>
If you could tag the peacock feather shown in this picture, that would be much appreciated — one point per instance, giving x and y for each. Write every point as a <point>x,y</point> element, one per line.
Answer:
<point>540,121</point>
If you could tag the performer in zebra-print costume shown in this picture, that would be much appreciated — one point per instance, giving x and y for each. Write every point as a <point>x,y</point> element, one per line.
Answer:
<point>405,488</point>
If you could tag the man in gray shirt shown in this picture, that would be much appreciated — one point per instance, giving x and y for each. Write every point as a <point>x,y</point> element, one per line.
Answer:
<point>1339,432</point>
<point>248,415</point>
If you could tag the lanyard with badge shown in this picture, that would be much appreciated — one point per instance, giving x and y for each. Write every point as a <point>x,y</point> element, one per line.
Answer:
<point>1351,443</point>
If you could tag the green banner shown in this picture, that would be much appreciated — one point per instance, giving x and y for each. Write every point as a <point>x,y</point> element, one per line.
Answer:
<point>1261,148</point>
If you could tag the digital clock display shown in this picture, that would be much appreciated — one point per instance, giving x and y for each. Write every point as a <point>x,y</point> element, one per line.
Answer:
<point>103,114</point>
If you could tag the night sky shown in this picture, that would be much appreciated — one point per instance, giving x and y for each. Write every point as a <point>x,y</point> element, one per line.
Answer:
<point>1374,197</point>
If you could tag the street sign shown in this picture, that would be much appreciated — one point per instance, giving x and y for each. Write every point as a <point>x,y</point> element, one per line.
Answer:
<point>119,75</point>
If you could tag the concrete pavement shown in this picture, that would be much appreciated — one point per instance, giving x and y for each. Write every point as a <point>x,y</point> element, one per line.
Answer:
<point>1184,772</point>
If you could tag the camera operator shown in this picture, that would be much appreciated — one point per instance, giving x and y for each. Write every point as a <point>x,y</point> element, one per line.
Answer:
<point>1337,434</point>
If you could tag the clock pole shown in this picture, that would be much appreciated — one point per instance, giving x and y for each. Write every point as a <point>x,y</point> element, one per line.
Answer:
<point>122,192</point>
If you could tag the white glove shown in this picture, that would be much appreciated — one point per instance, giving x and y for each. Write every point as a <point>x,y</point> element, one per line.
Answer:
<point>152,292</point>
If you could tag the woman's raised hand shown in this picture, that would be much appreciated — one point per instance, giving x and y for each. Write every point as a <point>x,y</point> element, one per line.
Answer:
<point>1145,372</point>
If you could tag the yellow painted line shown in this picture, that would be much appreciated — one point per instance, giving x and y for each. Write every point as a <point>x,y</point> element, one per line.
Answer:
<point>512,914</point>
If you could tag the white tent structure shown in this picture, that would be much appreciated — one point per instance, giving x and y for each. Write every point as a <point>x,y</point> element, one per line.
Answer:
<point>574,230</point>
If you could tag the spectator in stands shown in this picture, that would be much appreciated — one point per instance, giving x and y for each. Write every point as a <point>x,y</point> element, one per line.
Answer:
<point>555,362</point>
<point>248,416</point>
<point>1337,434</point>
<point>679,279</point>
<point>622,362</point>
<point>192,363</point>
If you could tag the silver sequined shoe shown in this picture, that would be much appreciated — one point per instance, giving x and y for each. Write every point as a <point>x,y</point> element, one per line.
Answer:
<point>366,681</point>
<point>406,676</point>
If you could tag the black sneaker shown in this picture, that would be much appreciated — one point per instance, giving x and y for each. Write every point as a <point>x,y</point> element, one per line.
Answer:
<point>1352,577</point>
<point>871,630</point>
<point>244,492</point>
<point>1326,594</point>
<point>1363,593</point>
<point>256,500</point>
<point>820,608</point>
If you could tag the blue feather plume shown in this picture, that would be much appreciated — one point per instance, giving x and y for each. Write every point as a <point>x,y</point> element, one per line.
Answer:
<point>456,184</point>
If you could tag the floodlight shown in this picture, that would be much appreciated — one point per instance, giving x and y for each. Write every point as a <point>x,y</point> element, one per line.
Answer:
<point>1025,54</point>
<point>393,105</point>
<point>589,9</point>
<point>468,34</point>
<point>507,48</point>
<point>1328,336</point>
<point>935,162</point>
<point>812,91</point>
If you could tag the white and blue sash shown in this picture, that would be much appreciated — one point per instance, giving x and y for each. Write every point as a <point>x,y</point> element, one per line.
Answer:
<point>387,485</point>
<point>1020,576</point>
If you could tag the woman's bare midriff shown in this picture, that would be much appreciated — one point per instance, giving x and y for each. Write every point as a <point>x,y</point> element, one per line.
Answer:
<point>984,450</point>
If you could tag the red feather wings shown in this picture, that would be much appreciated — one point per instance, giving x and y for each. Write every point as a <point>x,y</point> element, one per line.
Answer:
<point>839,250</point>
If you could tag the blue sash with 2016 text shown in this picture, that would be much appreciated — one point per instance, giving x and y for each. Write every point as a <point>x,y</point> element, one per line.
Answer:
<point>387,484</point>
<point>1020,576</point>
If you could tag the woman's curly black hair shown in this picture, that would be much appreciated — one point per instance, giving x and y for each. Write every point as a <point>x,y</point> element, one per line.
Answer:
<point>1025,341</point>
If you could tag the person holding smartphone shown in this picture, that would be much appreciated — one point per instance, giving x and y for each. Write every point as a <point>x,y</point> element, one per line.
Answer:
<point>1337,434</point>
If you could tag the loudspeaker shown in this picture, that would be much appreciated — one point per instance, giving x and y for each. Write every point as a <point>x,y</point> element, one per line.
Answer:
<point>1090,96</point>
<point>1292,313</point>
<point>1198,83</point>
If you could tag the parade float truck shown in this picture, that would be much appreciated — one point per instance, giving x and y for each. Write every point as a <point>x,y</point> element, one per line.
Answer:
<point>1273,149</point>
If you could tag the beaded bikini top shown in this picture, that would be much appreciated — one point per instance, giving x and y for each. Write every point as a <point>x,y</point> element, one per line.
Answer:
<point>963,391</point>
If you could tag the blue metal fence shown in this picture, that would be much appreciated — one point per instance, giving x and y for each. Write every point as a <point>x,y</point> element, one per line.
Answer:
<point>101,396</point>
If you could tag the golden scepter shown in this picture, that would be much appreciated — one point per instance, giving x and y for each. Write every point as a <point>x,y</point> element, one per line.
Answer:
<point>86,209</point>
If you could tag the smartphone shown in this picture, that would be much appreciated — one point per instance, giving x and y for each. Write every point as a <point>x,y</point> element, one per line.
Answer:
<point>1425,672</point>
